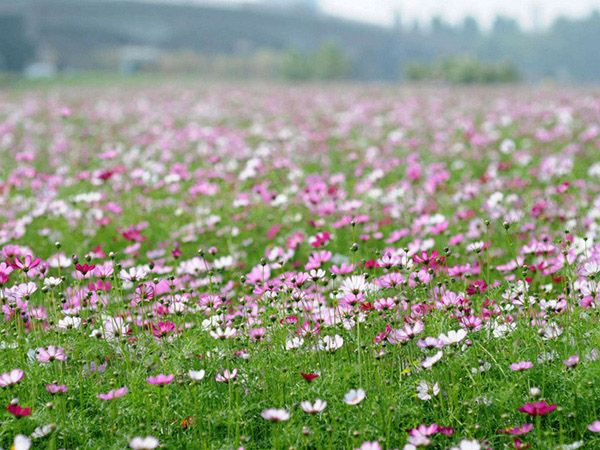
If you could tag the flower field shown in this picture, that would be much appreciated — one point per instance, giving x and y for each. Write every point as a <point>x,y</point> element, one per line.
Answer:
<point>311,267</point>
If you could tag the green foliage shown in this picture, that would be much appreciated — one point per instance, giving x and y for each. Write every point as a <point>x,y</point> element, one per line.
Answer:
<point>463,70</point>
<point>328,63</point>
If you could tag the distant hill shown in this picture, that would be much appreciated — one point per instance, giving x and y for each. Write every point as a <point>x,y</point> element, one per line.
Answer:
<point>76,29</point>
<point>75,32</point>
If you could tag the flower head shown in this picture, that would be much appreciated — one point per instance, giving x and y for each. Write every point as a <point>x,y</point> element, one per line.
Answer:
<point>313,408</point>
<point>161,379</point>
<point>275,415</point>
<point>540,408</point>
<point>143,443</point>
<point>354,396</point>
<point>11,378</point>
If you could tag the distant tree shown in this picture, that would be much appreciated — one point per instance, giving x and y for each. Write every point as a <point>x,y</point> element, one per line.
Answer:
<point>330,63</point>
<point>327,63</point>
<point>463,70</point>
<point>296,66</point>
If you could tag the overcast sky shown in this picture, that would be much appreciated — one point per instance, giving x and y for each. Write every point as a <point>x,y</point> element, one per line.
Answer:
<point>454,10</point>
<point>382,11</point>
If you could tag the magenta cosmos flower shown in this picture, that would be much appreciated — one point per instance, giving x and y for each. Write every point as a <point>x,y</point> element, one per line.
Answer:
<point>52,353</point>
<point>18,411</point>
<point>537,408</point>
<point>161,379</point>
<point>114,393</point>
<point>11,378</point>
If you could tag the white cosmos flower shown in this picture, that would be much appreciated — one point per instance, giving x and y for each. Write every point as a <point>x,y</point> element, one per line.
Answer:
<point>294,343</point>
<point>143,443</point>
<point>134,274</point>
<point>428,363</point>
<point>468,445</point>
<point>69,322</point>
<point>21,442</point>
<point>453,337</point>
<point>551,331</point>
<point>427,392</point>
<point>113,328</point>
<point>331,343</point>
<point>355,285</point>
<point>52,281</point>
<point>197,375</point>
<point>227,333</point>
<point>354,396</point>
<point>313,408</point>
<point>43,431</point>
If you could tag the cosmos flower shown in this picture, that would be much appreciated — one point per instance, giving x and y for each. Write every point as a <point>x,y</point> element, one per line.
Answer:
<point>56,388</point>
<point>226,376</point>
<point>313,408</point>
<point>161,379</point>
<point>51,353</point>
<point>427,392</point>
<point>18,411</point>
<point>11,378</point>
<point>520,366</point>
<point>354,396</point>
<point>21,442</point>
<point>540,408</point>
<point>113,393</point>
<point>468,445</point>
<point>518,431</point>
<point>275,415</point>
<point>571,361</point>
<point>43,431</point>
<point>331,343</point>
<point>370,445</point>
<point>428,362</point>
<point>143,443</point>
<point>196,375</point>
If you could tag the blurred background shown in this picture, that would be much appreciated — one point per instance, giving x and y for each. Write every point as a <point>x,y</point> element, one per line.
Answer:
<point>455,41</point>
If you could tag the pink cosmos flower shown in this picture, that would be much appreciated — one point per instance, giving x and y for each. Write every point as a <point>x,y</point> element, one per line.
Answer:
<point>226,376</point>
<point>113,393</point>
<point>11,378</point>
<point>571,361</point>
<point>275,415</point>
<point>594,427</point>
<point>161,379</point>
<point>51,353</point>
<point>521,365</point>
<point>517,431</point>
<point>5,271</point>
<point>56,388</point>
<point>29,262</point>
<point>540,408</point>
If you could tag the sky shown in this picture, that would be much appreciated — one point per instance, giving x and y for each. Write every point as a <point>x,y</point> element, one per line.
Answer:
<point>382,11</point>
